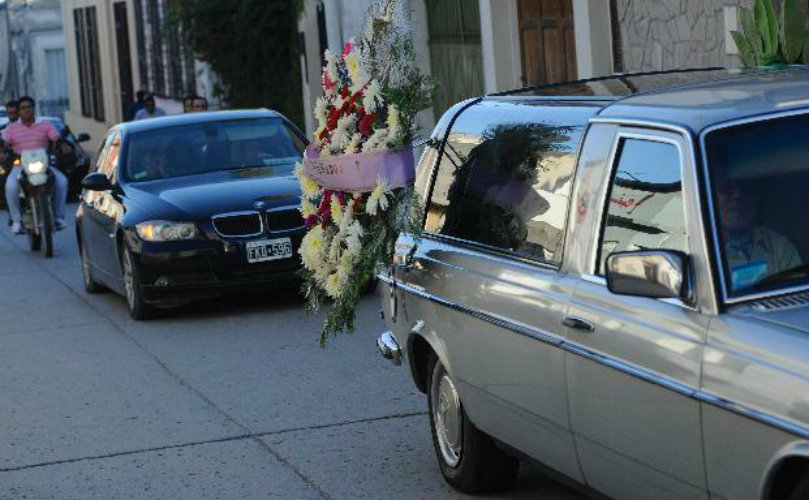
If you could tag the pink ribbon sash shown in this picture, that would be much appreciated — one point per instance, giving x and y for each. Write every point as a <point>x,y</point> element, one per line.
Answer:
<point>359,172</point>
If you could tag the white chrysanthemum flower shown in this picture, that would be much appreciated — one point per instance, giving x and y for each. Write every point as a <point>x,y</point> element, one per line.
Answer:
<point>345,267</point>
<point>335,249</point>
<point>341,136</point>
<point>334,286</point>
<point>354,144</point>
<point>346,219</point>
<point>353,239</point>
<point>331,65</point>
<point>378,200</point>
<point>372,96</point>
<point>311,249</point>
<point>378,140</point>
<point>320,114</point>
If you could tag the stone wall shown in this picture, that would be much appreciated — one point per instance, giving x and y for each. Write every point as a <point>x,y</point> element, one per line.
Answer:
<point>669,34</point>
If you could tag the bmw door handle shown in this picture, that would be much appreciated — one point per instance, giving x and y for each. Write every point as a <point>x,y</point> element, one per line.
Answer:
<point>578,324</point>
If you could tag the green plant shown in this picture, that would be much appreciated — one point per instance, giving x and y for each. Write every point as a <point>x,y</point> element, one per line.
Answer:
<point>765,39</point>
<point>251,45</point>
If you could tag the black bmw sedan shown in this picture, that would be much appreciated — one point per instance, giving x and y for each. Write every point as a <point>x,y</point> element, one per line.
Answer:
<point>192,206</point>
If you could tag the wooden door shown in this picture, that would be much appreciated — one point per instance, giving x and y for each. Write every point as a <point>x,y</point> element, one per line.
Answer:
<point>456,57</point>
<point>547,41</point>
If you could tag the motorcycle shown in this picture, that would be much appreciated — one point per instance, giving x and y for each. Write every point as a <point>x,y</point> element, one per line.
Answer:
<point>36,196</point>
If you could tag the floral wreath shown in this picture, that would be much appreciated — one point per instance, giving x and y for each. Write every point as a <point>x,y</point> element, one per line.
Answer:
<point>357,175</point>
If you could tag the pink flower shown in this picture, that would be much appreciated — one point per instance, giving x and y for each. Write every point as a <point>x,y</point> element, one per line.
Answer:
<point>347,48</point>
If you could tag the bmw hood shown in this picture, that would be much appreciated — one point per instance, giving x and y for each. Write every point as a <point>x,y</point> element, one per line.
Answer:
<point>199,197</point>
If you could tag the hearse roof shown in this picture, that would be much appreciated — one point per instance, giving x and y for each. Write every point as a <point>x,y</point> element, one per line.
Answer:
<point>694,99</point>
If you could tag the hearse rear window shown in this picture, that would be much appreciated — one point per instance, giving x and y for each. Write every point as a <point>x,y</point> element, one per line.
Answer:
<point>506,187</point>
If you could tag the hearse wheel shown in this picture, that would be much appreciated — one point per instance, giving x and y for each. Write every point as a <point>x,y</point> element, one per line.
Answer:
<point>469,459</point>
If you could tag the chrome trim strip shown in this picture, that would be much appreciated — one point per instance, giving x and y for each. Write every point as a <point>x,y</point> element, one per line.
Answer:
<point>712,213</point>
<point>492,252</point>
<point>611,362</point>
<point>236,214</point>
<point>613,167</point>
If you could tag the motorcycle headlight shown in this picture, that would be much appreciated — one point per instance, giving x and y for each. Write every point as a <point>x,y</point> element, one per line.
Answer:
<point>162,230</point>
<point>35,167</point>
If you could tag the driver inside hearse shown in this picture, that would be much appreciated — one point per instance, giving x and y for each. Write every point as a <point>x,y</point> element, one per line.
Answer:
<point>753,251</point>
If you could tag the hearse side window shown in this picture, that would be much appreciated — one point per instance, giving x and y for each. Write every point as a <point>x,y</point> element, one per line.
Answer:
<point>645,200</point>
<point>507,188</point>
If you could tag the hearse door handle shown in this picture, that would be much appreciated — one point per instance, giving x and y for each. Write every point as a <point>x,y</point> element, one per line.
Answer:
<point>578,324</point>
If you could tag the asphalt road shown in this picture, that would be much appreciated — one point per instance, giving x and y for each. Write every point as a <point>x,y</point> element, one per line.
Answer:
<point>227,398</point>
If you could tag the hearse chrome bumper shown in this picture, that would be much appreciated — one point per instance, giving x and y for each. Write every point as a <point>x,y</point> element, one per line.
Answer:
<point>389,347</point>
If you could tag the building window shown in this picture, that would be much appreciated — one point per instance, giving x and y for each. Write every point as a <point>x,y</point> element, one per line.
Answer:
<point>617,49</point>
<point>140,35</point>
<point>166,64</point>
<point>156,48</point>
<point>90,89</point>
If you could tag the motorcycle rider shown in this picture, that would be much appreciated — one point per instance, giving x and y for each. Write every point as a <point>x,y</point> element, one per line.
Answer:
<point>27,134</point>
<point>12,112</point>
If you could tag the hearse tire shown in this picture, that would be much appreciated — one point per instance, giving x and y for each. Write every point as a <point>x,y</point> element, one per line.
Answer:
<point>477,465</point>
<point>801,490</point>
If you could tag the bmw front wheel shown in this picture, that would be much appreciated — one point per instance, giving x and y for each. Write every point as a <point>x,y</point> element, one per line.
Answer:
<point>138,309</point>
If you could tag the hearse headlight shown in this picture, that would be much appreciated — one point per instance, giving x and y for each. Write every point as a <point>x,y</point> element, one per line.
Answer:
<point>163,230</point>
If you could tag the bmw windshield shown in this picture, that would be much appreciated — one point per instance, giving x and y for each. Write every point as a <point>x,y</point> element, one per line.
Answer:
<point>760,189</point>
<point>210,146</point>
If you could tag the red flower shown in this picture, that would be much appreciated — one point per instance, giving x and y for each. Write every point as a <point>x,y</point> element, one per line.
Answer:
<point>345,92</point>
<point>327,83</point>
<point>310,222</point>
<point>334,115</point>
<point>366,123</point>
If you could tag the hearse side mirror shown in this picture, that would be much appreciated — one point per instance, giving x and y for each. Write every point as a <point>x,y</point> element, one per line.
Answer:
<point>657,274</point>
<point>83,137</point>
<point>96,182</point>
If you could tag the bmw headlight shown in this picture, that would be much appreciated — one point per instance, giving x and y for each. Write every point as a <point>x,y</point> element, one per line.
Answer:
<point>163,230</point>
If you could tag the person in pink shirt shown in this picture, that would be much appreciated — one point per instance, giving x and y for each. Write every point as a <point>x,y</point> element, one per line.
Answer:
<point>26,134</point>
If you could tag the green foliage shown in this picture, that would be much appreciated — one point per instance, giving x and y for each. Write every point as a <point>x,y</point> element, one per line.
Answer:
<point>252,47</point>
<point>765,40</point>
<point>404,215</point>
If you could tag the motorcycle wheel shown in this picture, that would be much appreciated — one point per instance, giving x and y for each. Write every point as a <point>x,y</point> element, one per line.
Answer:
<point>34,238</point>
<point>47,225</point>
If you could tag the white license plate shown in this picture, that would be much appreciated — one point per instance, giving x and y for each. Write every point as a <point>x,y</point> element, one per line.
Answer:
<point>262,250</point>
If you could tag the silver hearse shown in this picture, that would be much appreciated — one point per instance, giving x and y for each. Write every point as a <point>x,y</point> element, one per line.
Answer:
<point>613,280</point>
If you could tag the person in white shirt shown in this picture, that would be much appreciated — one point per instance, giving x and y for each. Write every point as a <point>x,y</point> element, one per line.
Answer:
<point>150,110</point>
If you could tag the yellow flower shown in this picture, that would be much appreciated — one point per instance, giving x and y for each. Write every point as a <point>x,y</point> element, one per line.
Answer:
<point>336,209</point>
<point>307,207</point>
<point>309,187</point>
<point>393,122</point>
<point>352,62</point>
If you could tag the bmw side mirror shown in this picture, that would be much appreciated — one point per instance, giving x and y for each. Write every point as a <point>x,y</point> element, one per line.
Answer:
<point>83,137</point>
<point>96,182</point>
<point>657,274</point>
